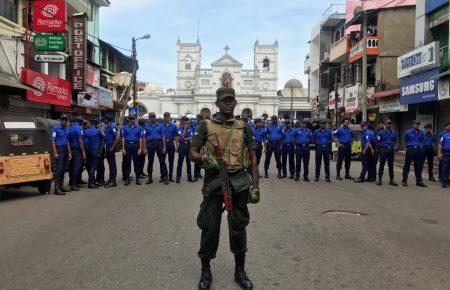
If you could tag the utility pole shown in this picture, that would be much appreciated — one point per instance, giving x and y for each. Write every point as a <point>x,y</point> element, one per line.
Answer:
<point>364,68</point>
<point>135,68</point>
<point>336,97</point>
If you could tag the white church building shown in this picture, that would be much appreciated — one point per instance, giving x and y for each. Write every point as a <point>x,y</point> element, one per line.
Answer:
<point>256,88</point>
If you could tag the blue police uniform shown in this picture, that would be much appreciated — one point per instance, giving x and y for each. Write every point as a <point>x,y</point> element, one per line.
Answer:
<point>60,136</point>
<point>184,145</point>
<point>368,159</point>
<point>303,138</point>
<point>428,152</point>
<point>386,141</point>
<point>440,161</point>
<point>110,138</point>
<point>132,136</point>
<point>413,140</point>
<point>197,168</point>
<point>444,141</point>
<point>170,132</point>
<point>288,151</point>
<point>260,137</point>
<point>95,137</point>
<point>141,157</point>
<point>75,134</point>
<point>154,134</point>
<point>273,137</point>
<point>323,139</point>
<point>345,136</point>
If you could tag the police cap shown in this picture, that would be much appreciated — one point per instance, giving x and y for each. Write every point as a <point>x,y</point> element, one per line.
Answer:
<point>416,122</point>
<point>131,117</point>
<point>64,117</point>
<point>73,120</point>
<point>151,115</point>
<point>224,92</point>
<point>185,118</point>
<point>388,121</point>
<point>106,118</point>
<point>274,117</point>
<point>166,114</point>
<point>428,126</point>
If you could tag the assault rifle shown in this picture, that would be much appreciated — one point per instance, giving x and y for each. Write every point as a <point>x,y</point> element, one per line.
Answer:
<point>224,179</point>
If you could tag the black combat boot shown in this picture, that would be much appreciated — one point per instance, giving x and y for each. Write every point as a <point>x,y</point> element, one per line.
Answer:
<point>56,190</point>
<point>127,181</point>
<point>166,180</point>
<point>200,176</point>
<point>392,182</point>
<point>171,178</point>
<point>404,183</point>
<point>421,184</point>
<point>347,176</point>
<point>206,276</point>
<point>316,179</point>
<point>111,183</point>
<point>138,181</point>
<point>306,179</point>
<point>239,274</point>
<point>297,178</point>
<point>380,181</point>
<point>338,175</point>
<point>279,174</point>
<point>73,187</point>
<point>62,188</point>
<point>149,180</point>
<point>178,179</point>
<point>266,173</point>
<point>327,179</point>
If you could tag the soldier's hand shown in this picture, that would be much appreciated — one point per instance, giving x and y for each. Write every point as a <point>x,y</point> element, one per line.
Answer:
<point>124,152</point>
<point>254,195</point>
<point>56,155</point>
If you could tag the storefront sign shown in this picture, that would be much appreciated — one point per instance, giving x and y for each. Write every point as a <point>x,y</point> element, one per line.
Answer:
<point>351,99</point>
<point>420,88</point>
<point>49,42</point>
<point>105,98</point>
<point>439,16</point>
<point>443,89</point>
<point>391,104</point>
<point>88,98</point>
<point>431,5</point>
<point>79,52</point>
<point>50,58</point>
<point>424,57</point>
<point>50,16</point>
<point>331,99</point>
<point>93,76</point>
<point>50,90</point>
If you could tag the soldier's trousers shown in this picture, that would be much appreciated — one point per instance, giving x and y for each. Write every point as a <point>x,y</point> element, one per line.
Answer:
<point>368,166</point>
<point>132,155</point>
<point>61,164</point>
<point>210,217</point>
<point>387,153</point>
<point>111,158</point>
<point>259,150</point>
<point>302,153</point>
<point>156,147</point>
<point>323,151</point>
<point>287,151</point>
<point>344,155</point>
<point>183,154</point>
<point>197,170</point>
<point>170,147</point>
<point>445,167</point>
<point>428,156</point>
<point>93,157</point>
<point>100,177</point>
<point>275,148</point>
<point>75,165</point>
<point>413,154</point>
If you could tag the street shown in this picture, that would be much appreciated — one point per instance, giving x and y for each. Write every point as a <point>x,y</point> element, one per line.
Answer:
<point>146,237</point>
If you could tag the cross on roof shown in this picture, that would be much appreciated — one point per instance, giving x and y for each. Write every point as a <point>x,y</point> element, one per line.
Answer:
<point>226,48</point>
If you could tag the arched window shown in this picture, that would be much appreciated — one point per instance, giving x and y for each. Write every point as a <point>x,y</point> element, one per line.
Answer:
<point>187,62</point>
<point>266,64</point>
<point>226,79</point>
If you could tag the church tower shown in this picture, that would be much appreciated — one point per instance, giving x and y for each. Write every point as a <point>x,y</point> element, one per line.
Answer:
<point>189,60</point>
<point>266,62</point>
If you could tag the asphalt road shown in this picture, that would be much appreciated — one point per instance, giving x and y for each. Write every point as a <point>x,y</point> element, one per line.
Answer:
<point>145,237</point>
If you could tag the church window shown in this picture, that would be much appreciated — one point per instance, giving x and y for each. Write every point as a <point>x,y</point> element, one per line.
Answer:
<point>248,83</point>
<point>205,82</point>
<point>266,64</point>
<point>226,79</point>
<point>187,62</point>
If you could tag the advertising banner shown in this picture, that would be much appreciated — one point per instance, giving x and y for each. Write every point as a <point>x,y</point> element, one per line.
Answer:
<point>79,52</point>
<point>431,5</point>
<point>57,58</point>
<point>420,88</point>
<point>391,104</point>
<point>426,56</point>
<point>331,100</point>
<point>93,76</point>
<point>49,15</point>
<point>49,42</point>
<point>351,99</point>
<point>105,98</point>
<point>50,90</point>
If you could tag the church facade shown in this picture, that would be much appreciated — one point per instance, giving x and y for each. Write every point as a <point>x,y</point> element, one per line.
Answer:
<point>256,88</point>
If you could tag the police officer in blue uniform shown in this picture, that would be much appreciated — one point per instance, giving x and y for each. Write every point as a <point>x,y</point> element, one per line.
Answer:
<point>131,148</point>
<point>155,142</point>
<point>429,141</point>
<point>259,132</point>
<point>95,137</point>
<point>273,145</point>
<point>100,170</point>
<point>440,160</point>
<point>323,137</point>
<point>170,132</point>
<point>387,139</point>
<point>197,168</point>
<point>368,145</point>
<point>141,157</point>
<point>413,139</point>
<point>62,154</point>
<point>444,155</point>
<point>184,145</point>
<point>343,137</point>
<point>75,135</point>
<point>288,148</point>
<point>111,140</point>
<point>303,138</point>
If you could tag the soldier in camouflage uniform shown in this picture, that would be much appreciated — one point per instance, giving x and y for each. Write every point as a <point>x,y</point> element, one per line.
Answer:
<point>235,138</point>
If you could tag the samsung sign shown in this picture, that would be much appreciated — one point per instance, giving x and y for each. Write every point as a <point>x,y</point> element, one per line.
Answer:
<point>426,56</point>
<point>420,88</point>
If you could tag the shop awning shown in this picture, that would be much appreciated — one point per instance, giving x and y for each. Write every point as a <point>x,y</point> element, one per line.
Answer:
<point>10,81</point>
<point>385,94</point>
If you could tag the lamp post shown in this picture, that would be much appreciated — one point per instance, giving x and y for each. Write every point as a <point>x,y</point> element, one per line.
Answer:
<point>135,67</point>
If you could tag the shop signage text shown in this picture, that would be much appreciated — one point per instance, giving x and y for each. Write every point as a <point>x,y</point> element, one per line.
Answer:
<point>351,99</point>
<point>50,58</point>
<point>391,104</point>
<point>332,102</point>
<point>79,52</point>
<point>49,42</point>
<point>50,16</point>
<point>49,90</point>
<point>420,88</point>
<point>423,57</point>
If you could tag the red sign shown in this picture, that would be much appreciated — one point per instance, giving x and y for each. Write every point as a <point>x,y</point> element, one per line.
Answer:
<point>79,52</point>
<point>92,76</point>
<point>49,90</point>
<point>50,15</point>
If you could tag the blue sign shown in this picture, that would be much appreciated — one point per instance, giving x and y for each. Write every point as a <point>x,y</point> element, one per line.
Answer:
<point>420,88</point>
<point>431,5</point>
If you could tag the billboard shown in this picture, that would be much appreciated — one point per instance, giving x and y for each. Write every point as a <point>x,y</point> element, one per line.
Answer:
<point>50,16</point>
<point>420,88</point>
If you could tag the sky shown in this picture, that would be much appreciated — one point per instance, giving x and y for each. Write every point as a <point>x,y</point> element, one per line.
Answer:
<point>236,23</point>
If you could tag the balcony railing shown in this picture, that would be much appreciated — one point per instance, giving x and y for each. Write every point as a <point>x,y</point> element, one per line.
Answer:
<point>356,51</point>
<point>338,49</point>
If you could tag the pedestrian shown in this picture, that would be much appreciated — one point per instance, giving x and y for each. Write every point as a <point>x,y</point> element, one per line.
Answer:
<point>243,189</point>
<point>154,142</point>
<point>322,138</point>
<point>379,128</point>
<point>444,155</point>
<point>414,139</point>
<point>131,148</point>
<point>100,170</point>
<point>75,138</point>
<point>273,145</point>
<point>429,141</point>
<point>197,169</point>
<point>344,139</point>
<point>61,153</point>
<point>95,137</point>
<point>387,139</point>
<point>368,143</point>
<point>111,141</point>
<point>184,145</point>
<point>441,161</point>
<point>288,149</point>
<point>86,125</point>
<point>259,132</point>
<point>303,138</point>
<point>170,132</point>
<point>141,157</point>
